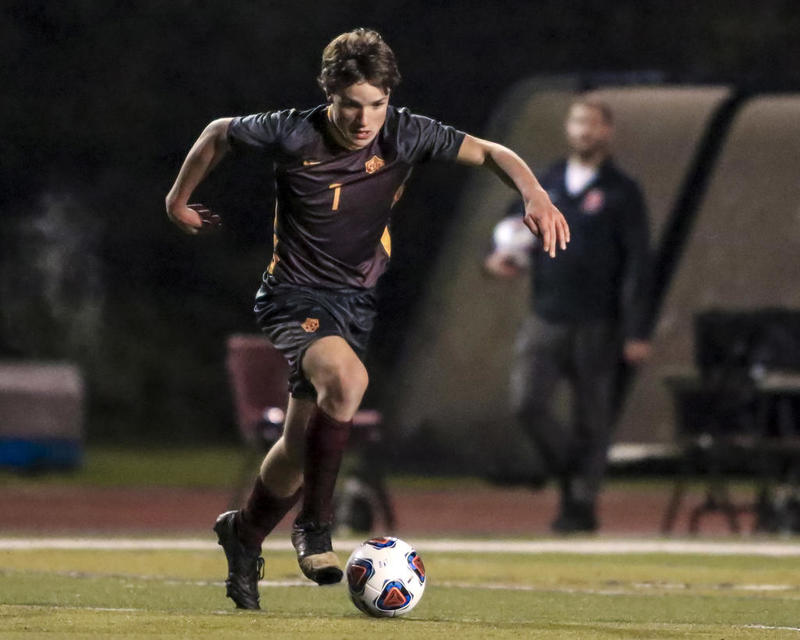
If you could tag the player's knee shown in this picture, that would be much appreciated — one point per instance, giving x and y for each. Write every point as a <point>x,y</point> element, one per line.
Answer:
<point>343,388</point>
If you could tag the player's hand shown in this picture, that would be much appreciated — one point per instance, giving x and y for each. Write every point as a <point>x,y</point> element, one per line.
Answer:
<point>544,219</point>
<point>193,218</point>
<point>210,220</point>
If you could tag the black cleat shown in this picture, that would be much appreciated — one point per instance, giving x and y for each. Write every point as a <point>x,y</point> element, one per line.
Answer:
<point>575,518</point>
<point>245,564</point>
<point>315,553</point>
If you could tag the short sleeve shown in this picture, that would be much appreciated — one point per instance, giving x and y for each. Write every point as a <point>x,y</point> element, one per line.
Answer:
<point>260,131</point>
<point>422,139</point>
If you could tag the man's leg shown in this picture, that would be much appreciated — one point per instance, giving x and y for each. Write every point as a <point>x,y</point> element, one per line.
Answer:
<point>340,380</point>
<point>274,493</point>
<point>596,355</point>
<point>539,361</point>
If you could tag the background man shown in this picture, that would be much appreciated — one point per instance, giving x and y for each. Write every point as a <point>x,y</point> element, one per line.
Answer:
<point>588,308</point>
<point>339,170</point>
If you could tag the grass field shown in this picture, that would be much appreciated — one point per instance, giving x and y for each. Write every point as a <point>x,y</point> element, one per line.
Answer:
<point>218,466</point>
<point>172,593</point>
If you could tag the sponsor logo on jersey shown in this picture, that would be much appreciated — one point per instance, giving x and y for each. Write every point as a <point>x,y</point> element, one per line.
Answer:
<point>373,164</point>
<point>593,201</point>
<point>310,325</point>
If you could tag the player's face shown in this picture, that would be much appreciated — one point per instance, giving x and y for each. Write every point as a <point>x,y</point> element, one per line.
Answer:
<point>588,132</point>
<point>359,112</point>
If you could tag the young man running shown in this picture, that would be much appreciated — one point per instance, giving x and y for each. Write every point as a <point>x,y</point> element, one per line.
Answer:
<point>339,170</point>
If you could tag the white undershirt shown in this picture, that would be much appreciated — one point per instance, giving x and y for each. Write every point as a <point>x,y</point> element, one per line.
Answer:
<point>578,176</point>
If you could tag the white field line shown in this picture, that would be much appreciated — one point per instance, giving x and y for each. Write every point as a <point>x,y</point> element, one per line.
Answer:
<point>582,546</point>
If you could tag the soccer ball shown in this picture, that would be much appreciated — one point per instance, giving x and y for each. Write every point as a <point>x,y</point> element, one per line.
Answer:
<point>514,240</point>
<point>385,577</point>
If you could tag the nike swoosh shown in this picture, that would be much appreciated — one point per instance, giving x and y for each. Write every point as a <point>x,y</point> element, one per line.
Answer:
<point>311,163</point>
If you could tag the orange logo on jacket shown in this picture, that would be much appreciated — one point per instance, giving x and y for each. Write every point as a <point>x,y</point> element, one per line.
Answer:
<point>373,164</point>
<point>593,201</point>
<point>310,325</point>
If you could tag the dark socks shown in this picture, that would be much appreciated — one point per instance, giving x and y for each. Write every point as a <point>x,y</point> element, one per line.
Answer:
<point>326,440</point>
<point>261,514</point>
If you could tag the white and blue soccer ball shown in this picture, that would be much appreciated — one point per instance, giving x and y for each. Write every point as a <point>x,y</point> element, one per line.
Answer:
<point>514,240</point>
<point>385,577</point>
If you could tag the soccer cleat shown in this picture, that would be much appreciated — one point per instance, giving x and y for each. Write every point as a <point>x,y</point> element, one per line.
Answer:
<point>315,554</point>
<point>575,517</point>
<point>245,564</point>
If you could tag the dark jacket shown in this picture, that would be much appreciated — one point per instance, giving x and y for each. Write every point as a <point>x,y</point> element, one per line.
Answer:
<point>605,271</point>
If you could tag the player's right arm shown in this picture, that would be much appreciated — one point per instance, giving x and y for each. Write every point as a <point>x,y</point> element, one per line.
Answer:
<point>205,154</point>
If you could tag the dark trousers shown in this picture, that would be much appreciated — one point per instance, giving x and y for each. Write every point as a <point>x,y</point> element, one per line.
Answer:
<point>586,355</point>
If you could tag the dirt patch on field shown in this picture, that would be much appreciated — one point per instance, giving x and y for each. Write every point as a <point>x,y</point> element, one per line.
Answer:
<point>473,511</point>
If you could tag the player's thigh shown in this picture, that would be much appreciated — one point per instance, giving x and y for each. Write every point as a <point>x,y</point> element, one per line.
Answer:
<point>331,363</point>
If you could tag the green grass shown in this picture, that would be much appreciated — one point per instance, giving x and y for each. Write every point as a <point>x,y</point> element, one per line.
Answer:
<point>188,467</point>
<point>198,467</point>
<point>220,466</point>
<point>178,594</point>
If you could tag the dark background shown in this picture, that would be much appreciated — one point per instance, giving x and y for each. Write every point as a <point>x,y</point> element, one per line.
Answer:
<point>101,101</point>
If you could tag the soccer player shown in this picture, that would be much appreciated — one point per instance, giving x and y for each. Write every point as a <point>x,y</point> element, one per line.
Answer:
<point>339,169</point>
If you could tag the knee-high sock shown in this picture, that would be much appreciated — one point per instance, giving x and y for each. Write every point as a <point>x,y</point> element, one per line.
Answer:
<point>262,513</point>
<point>326,440</point>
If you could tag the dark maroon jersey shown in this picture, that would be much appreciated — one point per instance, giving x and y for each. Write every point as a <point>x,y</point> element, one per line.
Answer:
<point>332,204</point>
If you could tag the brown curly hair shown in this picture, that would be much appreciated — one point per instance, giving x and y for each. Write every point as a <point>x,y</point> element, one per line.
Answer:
<point>358,56</point>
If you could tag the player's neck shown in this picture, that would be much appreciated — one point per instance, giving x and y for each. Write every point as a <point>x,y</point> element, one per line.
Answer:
<point>590,160</point>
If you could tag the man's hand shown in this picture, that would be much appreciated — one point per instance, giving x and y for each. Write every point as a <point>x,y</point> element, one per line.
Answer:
<point>193,218</point>
<point>500,265</point>
<point>544,219</point>
<point>636,351</point>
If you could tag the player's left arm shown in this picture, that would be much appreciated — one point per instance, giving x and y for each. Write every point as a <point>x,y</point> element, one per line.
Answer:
<point>542,217</point>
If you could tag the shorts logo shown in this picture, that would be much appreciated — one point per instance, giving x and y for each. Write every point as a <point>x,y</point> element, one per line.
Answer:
<point>310,325</point>
<point>373,164</point>
<point>593,201</point>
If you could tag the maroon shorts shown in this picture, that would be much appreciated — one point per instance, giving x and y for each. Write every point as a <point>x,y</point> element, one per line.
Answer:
<point>293,317</point>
